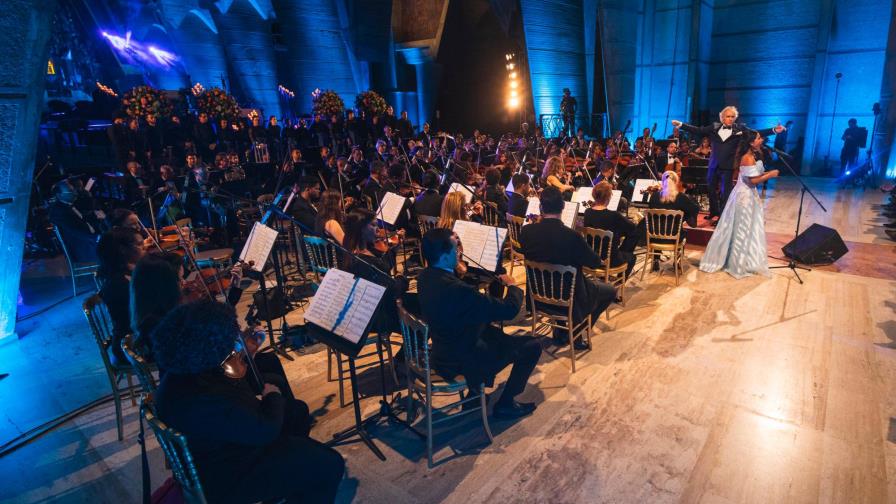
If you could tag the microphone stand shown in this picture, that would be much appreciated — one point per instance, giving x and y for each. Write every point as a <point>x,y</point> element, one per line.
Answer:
<point>791,264</point>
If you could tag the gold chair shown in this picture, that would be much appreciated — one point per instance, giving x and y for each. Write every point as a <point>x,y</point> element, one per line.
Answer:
<point>552,289</point>
<point>100,324</point>
<point>514,225</point>
<point>601,242</point>
<point>177,453</point>
<point>426,384</point>
<point>664,236</point>
<point>426,223</point>
<point>490,214</point>
<point>76,269</point>
<point>142,369</point>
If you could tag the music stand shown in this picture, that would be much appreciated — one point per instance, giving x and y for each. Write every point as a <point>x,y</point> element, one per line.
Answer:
<point>351,349</point>
<point>791,264</point>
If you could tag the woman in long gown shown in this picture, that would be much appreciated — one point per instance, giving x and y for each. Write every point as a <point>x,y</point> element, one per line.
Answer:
<point>738,243</point>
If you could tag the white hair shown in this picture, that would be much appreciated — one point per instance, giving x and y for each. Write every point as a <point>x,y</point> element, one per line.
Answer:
<point>731,108</point>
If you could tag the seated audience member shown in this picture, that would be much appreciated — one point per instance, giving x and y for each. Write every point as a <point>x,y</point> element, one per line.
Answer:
<point>245,449</point>
<point>625,232</point>
<point>463,340</point>
<point>550,241</point>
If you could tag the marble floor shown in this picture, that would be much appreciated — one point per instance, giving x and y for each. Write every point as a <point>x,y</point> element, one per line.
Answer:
<point>716,390</point>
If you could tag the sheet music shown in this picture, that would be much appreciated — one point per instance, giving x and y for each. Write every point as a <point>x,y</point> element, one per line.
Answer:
<point>614,200</point>
<point>482,244</point>
<point>258,245</point>
<point>641,185</point>
<point>568,216</point>
<point>390,207</point>
<point>292,196</point>
<point>582,196</point>
<point>466,191</point>
<point>344,304</point>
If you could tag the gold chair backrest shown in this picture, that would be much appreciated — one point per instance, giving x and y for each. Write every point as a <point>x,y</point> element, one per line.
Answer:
<point>514,226</point>
<point>600,241</point>
<point>490,214</point>
<point>426,222</point>
<point>416,342</point>
<point>551,284</point>
<point>138,362</point>
<point>100,323</point>
<point>321,254</point>
<point>663,224</point>
<point>174,445</point>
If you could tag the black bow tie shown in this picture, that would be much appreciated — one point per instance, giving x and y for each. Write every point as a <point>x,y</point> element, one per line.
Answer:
<point>726,127</point>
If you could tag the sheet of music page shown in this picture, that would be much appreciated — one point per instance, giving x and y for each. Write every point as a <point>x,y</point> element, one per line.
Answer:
<point>614,200</point>
<point>258,245</point>
<point>642,185</point>
<point>390,207</point>
<point>344,304</point>
<point>582,196</point>
<point>568,216</point>
<point>481,243</point>
<point>466,191</point>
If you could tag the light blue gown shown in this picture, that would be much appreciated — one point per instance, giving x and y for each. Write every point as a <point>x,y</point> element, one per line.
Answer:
<point>738,242</point>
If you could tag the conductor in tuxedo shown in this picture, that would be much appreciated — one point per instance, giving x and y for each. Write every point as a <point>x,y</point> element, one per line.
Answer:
<point>724,137</point>
<point>550,241</point>
<point>464,341</point>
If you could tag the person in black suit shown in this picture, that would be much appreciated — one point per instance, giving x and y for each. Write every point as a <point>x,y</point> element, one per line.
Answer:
<point>79,235</point>
<point>550,241</point>
<point>625,232</point>
<point>494,194</point>
<point>429,202</point>
<point>245,449</point>
<point>518,202</point>
<point>302,208</point>
<point>724,137</point>
<point>463,340</point>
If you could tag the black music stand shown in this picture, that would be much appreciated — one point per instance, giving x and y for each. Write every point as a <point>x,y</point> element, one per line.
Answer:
<point>351,350</point>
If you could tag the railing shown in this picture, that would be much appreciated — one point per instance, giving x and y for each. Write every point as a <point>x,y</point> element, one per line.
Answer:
<point>593,124</point>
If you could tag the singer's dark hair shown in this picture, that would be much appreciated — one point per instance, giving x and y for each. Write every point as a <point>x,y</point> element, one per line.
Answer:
<point>744,146</point>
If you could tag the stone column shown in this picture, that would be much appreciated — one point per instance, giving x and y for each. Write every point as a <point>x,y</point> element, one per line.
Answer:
<point>24,38</point>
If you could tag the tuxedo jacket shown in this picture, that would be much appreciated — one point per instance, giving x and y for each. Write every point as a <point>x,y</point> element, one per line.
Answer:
<point>428,203</point>
<point>517,204</point>
<point>723,151</point>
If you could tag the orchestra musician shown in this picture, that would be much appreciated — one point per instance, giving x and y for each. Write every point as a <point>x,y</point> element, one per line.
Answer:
<point>429,201</point>
<point>555,175</point>
<point>625,232</point>
<point>245,449</point>
<point>464,340</point>
<point>518,201</point>
<point>550,241</point>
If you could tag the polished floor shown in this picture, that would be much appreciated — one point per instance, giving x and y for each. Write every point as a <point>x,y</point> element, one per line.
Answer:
<point>716,390</point>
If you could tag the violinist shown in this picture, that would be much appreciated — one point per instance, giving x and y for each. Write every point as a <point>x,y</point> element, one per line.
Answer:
<point>118,251</point>
<point>135,183</point>
<point>343,180</point>
<point>358,167</point>
<point>554,175</point>
<point>494,193</point>
<point>518,202</point>
<point>455,208</point>
<point>625,232</point>
<point>245,448</point>
<point>330,217</point>
<point>374,188</point>
<point>302,209</point>
<point>705,148</point>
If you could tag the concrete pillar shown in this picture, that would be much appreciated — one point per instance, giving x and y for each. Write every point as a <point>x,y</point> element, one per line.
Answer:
<point>24,37</point>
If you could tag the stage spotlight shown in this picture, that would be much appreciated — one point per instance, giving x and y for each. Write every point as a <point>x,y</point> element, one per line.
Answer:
<point>510,66</point>
<point>513,84</point>
<point>513,75</point>
<point>513,102</point>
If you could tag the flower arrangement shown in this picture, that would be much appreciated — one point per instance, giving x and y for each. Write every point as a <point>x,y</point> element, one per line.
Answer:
<point>218,104</point>
<point>371,103</point>
<point>326,103</point>
<point>144,100</point>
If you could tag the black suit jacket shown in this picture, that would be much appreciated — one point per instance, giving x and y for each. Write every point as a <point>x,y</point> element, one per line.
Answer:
<point>428,203</point>
<point>620,225</point>
<point>549,241</point>
<point>517,205</point>
<point>681,202</point>
<point>457,314</point>
<point>723,151</point>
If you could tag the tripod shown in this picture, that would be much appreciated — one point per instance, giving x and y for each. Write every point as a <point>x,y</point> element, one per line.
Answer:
<point>791,264</point>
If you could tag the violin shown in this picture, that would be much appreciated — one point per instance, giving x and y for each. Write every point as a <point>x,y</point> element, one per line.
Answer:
<point>384,241</point>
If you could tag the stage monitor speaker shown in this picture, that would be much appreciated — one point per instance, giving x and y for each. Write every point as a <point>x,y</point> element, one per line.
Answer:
<point>816,245</point>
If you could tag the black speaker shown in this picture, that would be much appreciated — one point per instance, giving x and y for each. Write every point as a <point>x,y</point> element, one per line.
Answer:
<point>816,245</point>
